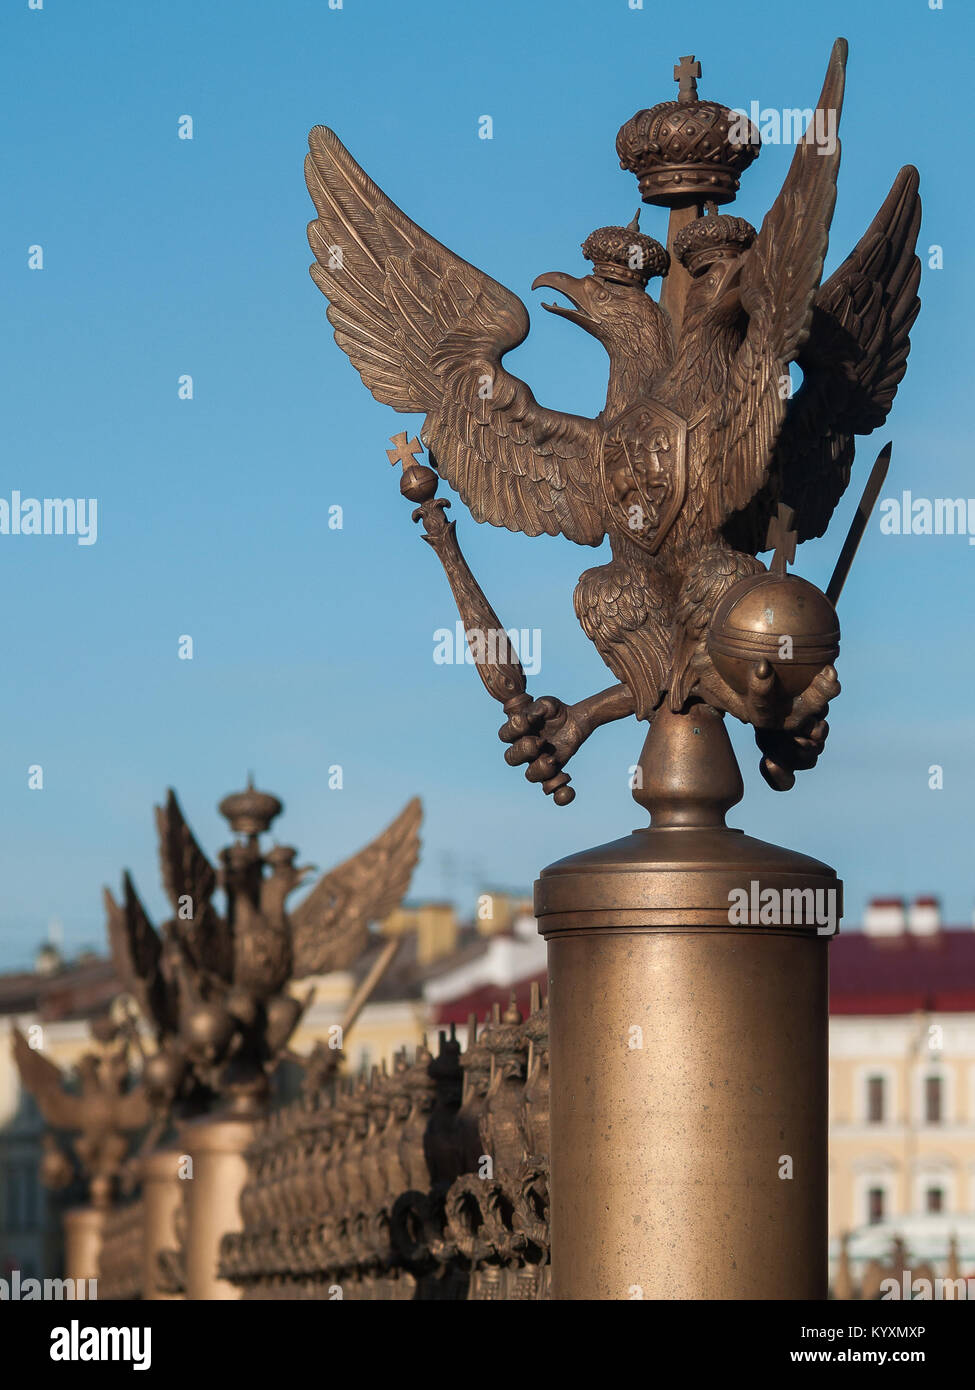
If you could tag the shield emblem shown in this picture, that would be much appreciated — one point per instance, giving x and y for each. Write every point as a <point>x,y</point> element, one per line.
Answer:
<point>644,470</point>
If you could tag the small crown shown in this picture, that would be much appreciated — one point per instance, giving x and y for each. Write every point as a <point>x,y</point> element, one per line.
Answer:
<point>708,239</point>
<point>625,255</point>
<point>687,149</point>
<point>250,812</point>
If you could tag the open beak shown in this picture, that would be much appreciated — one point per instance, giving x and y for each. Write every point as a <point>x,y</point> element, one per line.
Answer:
<point>575,291</point>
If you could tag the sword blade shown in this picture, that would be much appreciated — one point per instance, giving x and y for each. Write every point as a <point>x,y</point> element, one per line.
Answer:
<point>859,524</point>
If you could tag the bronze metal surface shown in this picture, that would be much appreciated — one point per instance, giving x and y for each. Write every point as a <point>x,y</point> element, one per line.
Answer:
<point>100,1113</point>
<point>426,1183</point>
<point>217,1148</point>
<point>687,962</point>
<point>213,986</point>
<point>688,1045</point>
<point>162,1194</point>
<point>83,1228</point>
<point>701,440</point>
<point>666,1158</point>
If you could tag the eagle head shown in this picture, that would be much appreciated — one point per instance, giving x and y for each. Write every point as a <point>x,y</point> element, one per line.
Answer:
<point>631,326</point>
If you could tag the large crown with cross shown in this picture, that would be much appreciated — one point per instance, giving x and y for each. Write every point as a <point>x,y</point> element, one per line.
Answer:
<point>687,150</point>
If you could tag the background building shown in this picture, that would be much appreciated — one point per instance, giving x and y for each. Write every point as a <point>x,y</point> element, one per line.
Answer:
<point>902,1082</point>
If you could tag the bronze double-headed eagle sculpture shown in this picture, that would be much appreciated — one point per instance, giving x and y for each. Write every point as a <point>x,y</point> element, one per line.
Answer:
<point>703,455</point>
<point>98,1114</point>
<point>212,986</point>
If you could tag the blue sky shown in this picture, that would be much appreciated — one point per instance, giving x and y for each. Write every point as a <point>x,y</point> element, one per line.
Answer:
<point>312,646</point>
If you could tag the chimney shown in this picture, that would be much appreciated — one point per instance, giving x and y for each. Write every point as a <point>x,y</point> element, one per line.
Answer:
<point>885,917</point>
<point>924,916</point>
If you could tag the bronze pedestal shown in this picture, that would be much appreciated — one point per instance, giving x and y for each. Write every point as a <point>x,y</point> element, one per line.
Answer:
<point>217,1146</point>
<point>688,1045</point>
<point>162,1192</point>
<point>83,1230</point>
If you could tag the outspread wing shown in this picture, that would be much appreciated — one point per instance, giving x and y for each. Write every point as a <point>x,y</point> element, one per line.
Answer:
<point>44,1080</point>
<point>853,360</point>
<point>426,331</point>
<point>189,877</point>
<point>136,953</point>
<point>779,278</point>
<point>330,928</point>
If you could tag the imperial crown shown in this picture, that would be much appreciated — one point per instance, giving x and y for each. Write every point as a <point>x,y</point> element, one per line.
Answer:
<point>687,150</point>
<point>625,255</point>
<point>250,812</point>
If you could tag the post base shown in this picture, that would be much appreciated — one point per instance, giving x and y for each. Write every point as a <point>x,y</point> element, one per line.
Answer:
<point>83,1231</point>
<point>688,1017</point>
<point>162,1193</point>
<point>217,1146</point>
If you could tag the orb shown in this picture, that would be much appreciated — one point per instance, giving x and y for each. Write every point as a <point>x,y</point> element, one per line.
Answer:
<point>778,618</point>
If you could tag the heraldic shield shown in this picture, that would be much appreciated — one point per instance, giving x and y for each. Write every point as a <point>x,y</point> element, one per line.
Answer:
<point>644,471</point>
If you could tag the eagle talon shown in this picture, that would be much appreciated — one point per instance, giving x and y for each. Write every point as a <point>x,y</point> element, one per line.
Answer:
<point>785,753</point>
<point>544,736</point>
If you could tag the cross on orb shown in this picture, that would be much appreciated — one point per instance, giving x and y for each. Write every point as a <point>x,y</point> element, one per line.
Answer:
<point>404,452</point>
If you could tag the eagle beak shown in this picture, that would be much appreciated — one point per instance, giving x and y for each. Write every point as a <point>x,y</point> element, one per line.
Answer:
<point>574,290</point>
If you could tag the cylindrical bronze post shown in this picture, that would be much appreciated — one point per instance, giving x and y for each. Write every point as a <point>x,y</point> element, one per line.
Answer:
<point>688,1011</point>
<point>83,1230</point>
<point>162,1192</point>
<point>216,1146</point>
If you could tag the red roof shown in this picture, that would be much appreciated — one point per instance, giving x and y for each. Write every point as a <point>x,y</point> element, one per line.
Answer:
<point>868,975</point>
<point>480,1001</point>
<point>902,974</point>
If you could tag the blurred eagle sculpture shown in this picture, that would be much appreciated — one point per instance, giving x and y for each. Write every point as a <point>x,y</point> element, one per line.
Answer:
<point>213,987</point>
<point>702,445</point>
<point>102,1107</point>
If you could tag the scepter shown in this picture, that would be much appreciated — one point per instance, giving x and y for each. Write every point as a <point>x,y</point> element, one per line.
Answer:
<point>495,658</point>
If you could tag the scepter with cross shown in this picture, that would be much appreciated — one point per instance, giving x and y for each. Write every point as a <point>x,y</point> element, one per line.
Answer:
<point>495,658</point>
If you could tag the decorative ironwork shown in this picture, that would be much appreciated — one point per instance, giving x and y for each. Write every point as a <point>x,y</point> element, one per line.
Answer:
<point>120,1259</point>
<point>428,1182</point>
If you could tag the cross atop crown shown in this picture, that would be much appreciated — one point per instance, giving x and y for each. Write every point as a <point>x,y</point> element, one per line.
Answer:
<point>686,72</point>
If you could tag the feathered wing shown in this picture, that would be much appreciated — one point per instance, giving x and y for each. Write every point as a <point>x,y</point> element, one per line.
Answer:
<point>330,928</point>
<point>137,956</point>
<point>779,278</point>
<point>426,331</point>
<point>188,875</point>
<point>45,1082</point>
<point>853,360</point>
